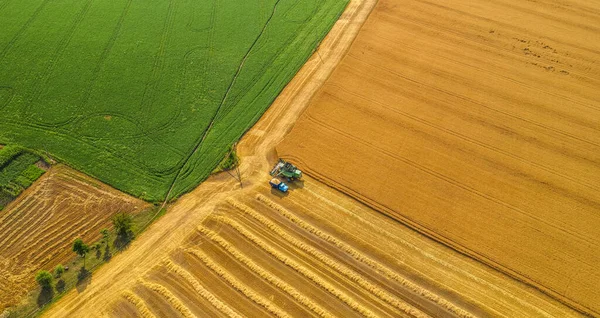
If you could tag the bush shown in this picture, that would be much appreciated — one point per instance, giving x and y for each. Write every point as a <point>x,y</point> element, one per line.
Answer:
<point>59,270</point>
<point>7,153</point>
<point>44,279</point>
<point>80,249</point>
<point>12,189</point>
<point>123,223</point>
<point>16,166</point>
<point>230,162</point>
<point>23,182</point>
<point>32,173</point>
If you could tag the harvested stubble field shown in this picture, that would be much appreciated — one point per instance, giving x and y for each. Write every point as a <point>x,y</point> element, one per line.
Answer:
<point>316,236</point>
<point>477,123</point>
<point>37,229</point>
<point>148,96</point>
<point>319,254</point>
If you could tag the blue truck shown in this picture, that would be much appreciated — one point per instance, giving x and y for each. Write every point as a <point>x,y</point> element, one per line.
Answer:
<point>279,185</point>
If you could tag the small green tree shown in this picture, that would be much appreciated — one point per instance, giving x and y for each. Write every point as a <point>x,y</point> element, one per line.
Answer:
<point>45,279</point>
<point>123,223</point>
<point>59,270</point>
<point>80,249</point>
<point>105,235</point>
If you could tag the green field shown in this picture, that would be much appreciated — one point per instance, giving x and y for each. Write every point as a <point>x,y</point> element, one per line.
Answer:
<point>148,95</point>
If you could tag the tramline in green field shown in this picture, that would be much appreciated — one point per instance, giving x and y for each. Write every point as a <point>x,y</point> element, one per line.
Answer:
<point>148,95</point>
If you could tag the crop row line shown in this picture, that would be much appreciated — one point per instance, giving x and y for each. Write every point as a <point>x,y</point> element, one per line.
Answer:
<point>238,285</point>
<point>172,299</point>
<point>24,27</point>
<point>203,292</point>
<point>319,281</point>
<point>366,260</point>
<point>214,117</point>
<point>139,304</point>
<point>266,275</point>
<point>340,268</point>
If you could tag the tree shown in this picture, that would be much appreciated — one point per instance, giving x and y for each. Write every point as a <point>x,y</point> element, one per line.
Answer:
<point>80,249</point>
<point>45,279</point>
<point>123,223</point>
<point>105,235</point>
<point>59,270</point>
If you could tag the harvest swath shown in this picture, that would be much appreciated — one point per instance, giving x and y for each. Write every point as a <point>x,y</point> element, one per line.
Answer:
<point>477,123</point>
<point>37,229</point>
<point>148,96</point>
<point>259,256</point>
<point>226,251</point>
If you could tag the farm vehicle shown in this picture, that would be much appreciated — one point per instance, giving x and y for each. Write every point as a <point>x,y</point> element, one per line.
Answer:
<point>279,185</point>
<point>286,170</point>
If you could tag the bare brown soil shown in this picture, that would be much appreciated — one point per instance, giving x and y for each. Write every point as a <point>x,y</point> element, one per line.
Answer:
<point>477,123</point>
<point>225,251</point>
<point>38,228</point>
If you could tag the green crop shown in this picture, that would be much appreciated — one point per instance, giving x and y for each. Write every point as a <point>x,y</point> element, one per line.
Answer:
<point>148,96</point>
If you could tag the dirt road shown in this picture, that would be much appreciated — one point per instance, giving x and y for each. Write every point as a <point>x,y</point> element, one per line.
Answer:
<point>256,147</point>
<point>211,256</point>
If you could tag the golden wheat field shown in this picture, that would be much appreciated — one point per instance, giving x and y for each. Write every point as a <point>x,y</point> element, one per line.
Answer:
<point>477,123</point>
<point>319,254</point>
<point>37,229</point>
<point>230,251</point>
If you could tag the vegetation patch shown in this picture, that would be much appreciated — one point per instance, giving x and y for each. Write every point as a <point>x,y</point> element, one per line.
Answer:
<point>148,97</point>
<point>18,171</point>
<point>87,257</point>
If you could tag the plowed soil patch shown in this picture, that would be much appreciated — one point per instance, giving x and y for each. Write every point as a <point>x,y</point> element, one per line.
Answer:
<point>37,230</point>
<point>476,123</point>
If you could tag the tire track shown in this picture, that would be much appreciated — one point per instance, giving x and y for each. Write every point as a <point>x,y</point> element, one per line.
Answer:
<point>203,292</point>
<point>23,28</point>
<point>212,122</point>
<point>319,281</point>
<point>362,258</point>
<point>170,298</point>
<point>238,285</point>
<point>329,262</point>
<point>139,304</point>
<point>266,275</point>
<point>105,53</point>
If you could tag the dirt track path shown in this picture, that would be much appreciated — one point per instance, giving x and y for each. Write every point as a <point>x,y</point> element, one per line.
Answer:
<point>257,152</point>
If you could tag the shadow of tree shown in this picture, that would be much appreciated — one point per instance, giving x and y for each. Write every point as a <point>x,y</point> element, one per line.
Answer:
<point>84,277</point>
<point>107,254</point>
<point>122,241</point>
<point>60,286</point>
<point>45,296</point>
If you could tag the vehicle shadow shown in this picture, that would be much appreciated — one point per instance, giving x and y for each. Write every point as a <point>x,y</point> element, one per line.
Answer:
<point>279,194</point>
<point>297,184</point>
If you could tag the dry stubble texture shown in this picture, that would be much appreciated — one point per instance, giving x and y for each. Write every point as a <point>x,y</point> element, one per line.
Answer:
<point>37,229</point>
<point>318,253</point>
<point>477,123</point>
